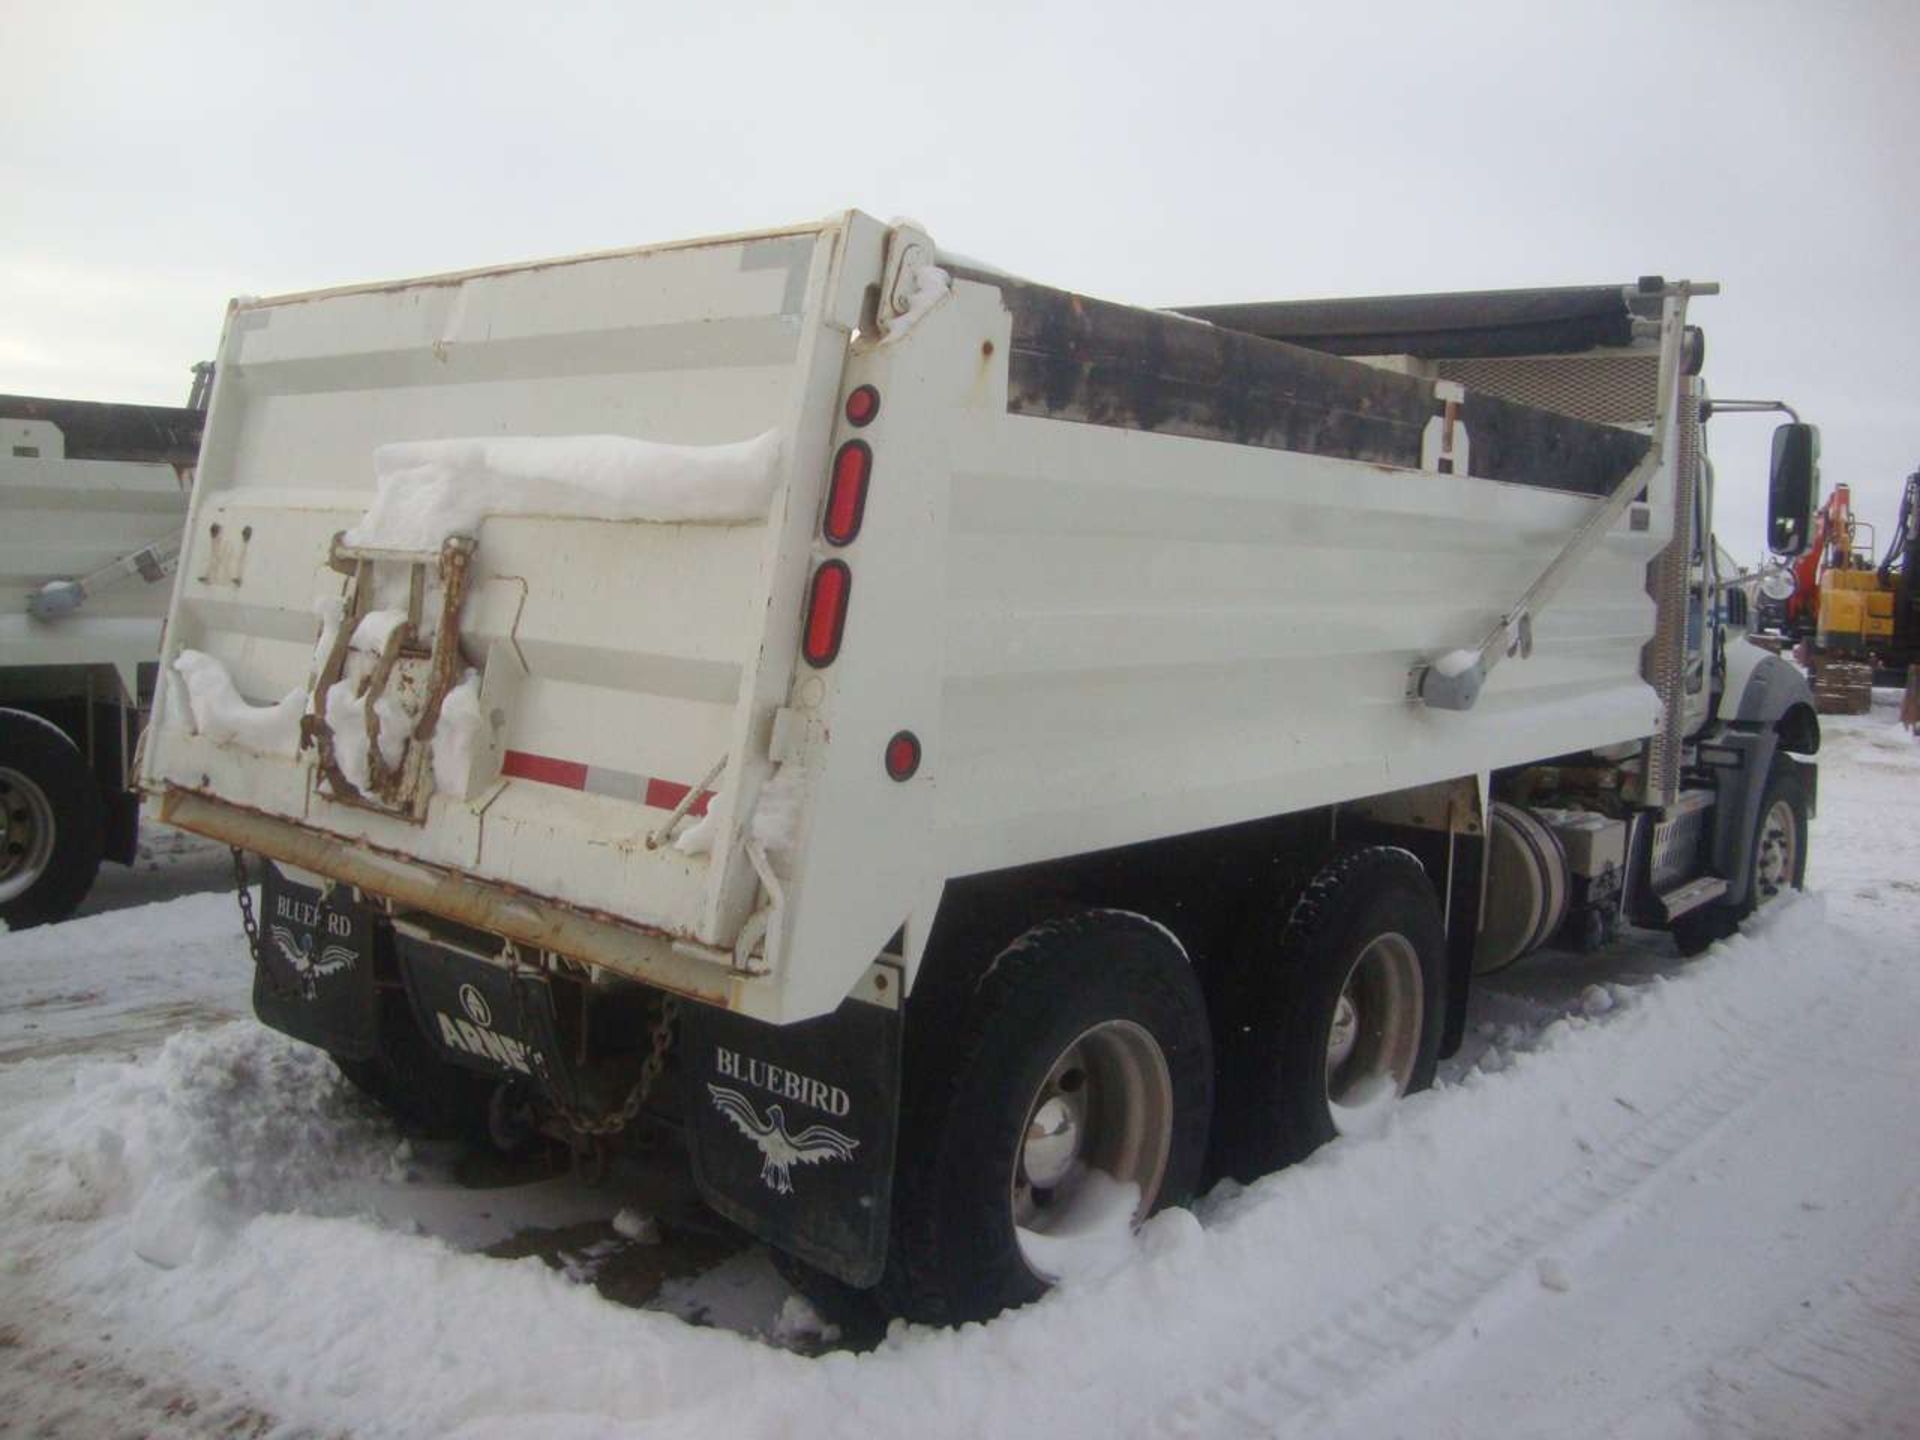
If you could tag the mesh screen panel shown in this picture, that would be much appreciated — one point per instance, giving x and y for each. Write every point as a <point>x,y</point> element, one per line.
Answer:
<point>1610,389</point>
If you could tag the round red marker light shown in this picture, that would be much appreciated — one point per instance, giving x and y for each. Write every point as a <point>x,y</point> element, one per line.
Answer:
<point>903,755</point>
<point>862,405</point>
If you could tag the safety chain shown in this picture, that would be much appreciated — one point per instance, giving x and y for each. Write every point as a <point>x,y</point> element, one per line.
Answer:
<point>614,1121</point>
<point>243,890</point>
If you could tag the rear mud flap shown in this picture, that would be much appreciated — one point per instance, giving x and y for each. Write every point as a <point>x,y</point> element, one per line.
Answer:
<point>487,1018</point>
<point>791,1128</point>
<point>314,974</point>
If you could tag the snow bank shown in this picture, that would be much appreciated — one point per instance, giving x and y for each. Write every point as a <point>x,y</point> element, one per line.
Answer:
<point>221,714</point>
<point>430,490</point>
<point>219,1126</point>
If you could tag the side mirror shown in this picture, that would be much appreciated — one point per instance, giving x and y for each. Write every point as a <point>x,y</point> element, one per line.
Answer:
<point>1736,608</point>
<point>1791,489</point>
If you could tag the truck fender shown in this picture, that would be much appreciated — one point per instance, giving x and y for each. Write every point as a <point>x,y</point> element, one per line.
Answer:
<point>1775,713</point>
<point>1777,697</point>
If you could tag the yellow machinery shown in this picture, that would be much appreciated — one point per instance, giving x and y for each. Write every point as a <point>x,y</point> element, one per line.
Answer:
<point>1854,618</point>
<point>1855,612</point>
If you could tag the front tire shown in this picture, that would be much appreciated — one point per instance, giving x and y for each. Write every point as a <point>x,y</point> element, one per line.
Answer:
<point>1332,1010</point>
<point>51,823</point>
<point>1082,1060</point>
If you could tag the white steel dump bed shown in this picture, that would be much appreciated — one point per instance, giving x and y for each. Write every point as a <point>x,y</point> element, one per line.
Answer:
<point>1117,575</point>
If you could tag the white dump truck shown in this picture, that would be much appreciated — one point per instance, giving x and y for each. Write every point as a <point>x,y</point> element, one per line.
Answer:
<point>92,498</point>
<point>976,759</point>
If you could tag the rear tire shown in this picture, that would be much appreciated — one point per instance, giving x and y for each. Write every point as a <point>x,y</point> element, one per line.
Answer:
<point>53,832</point>
<point>1331,1010</point>
<point>1083,1051</point>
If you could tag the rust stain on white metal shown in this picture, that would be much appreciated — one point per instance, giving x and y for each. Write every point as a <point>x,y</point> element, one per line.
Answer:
<point>539,921</point>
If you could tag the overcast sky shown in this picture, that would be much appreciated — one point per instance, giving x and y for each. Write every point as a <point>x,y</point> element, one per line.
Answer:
<point>159,158</point>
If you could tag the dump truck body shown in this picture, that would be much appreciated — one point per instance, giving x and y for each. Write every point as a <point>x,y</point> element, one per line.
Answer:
<point>798,625</point>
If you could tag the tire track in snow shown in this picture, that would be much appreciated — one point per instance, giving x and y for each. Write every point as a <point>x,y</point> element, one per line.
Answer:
<point>52,1388</point>
<point>1849,1368</point>
<point>1297,1385</point>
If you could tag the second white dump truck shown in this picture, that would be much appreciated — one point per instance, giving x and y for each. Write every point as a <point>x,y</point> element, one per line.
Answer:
<point>92,497</point>
<point>977,759</point>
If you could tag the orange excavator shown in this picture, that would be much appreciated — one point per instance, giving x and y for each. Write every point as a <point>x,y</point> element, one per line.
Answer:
<point>1832,540</point>
<point>1850,614</point>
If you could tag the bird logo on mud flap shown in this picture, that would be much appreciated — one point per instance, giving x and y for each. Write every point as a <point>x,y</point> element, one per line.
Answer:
<point>780,1150</point>
<point>330,961</point>
<point>473,1034</point>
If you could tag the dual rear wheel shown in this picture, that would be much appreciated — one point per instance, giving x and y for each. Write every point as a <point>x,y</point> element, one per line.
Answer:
<point>1082,1082</point>
<point>1331,1012</point>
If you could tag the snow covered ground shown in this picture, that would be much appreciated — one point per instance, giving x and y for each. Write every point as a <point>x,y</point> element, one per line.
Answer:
<point>170,863</point>
<point>1650,1198</point>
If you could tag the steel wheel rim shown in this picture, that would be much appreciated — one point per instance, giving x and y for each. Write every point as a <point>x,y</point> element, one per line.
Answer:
<point>1373,1036</point>
<point>1779,844</point>
<point>1105,1106</point>
<point>26,848</point>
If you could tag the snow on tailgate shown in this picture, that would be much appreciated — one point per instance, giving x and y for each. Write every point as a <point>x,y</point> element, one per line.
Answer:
<point>491,529</point>
<point>432,490</point>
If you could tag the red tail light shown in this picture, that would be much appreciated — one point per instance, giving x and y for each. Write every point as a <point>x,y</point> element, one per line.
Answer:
<point>847,494</point>
<point>826,612</point>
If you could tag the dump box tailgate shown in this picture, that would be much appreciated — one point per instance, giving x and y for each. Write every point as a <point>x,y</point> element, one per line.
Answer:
<point>492,676</point>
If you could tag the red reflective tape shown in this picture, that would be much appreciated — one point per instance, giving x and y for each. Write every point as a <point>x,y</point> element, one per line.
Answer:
<point>666,794</point>
<point>619,784</point>
<point>519,765</point>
